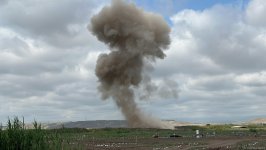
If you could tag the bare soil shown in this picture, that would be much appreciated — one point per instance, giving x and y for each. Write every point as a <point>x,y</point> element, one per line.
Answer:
<point>209,143</point>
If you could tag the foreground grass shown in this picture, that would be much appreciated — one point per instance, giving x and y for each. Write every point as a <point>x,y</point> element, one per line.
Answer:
<point>16,137</point>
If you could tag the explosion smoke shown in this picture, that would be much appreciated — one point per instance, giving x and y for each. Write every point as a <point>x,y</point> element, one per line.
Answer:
<point>132,35</point>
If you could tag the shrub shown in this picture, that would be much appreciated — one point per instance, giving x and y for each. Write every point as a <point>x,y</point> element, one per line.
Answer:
<point>16,137</point>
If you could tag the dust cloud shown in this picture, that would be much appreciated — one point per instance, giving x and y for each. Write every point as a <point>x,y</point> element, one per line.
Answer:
<point>133,36</point>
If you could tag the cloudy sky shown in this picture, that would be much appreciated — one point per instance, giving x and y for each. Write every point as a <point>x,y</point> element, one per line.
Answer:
<point>217,57</point>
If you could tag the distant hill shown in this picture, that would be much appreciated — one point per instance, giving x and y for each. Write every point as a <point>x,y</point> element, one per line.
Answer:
<point>104,124</point>
<point>95,124</point>
<point>89,124</point>
<point>123,124</point>
<point>257,121</point>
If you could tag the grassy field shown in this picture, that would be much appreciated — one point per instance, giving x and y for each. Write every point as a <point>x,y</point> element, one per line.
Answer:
<point>16,137</point>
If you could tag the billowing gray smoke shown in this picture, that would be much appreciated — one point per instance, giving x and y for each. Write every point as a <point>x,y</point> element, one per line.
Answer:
<point>133,36</point>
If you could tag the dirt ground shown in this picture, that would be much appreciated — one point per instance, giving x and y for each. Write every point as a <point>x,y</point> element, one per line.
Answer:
<point>209,143</point>
<point>230,143</point>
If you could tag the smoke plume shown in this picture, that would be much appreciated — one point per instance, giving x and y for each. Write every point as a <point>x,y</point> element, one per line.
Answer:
<point>133,36</point>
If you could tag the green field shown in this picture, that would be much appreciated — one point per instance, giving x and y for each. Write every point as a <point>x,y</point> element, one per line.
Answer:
<point>16,137</point>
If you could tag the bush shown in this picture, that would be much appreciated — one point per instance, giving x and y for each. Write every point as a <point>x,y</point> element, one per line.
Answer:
<point>253,130</point>
<point>16,137</point>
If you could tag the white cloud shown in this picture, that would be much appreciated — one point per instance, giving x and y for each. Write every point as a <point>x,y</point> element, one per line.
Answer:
<point>217,57</point>
<point>221,34</point>
<point>255,12</point>
<point>47,59</point>
<point>252,79</point>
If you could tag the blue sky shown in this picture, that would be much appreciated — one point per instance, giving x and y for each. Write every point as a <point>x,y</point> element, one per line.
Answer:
<point>169,7</point>
<point>216,57</point>
<point>177,5</point>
